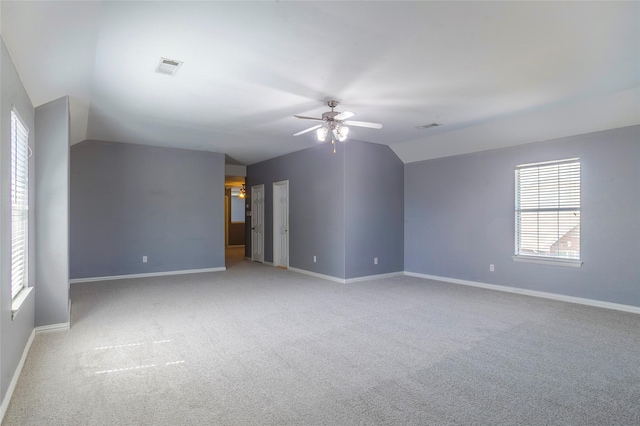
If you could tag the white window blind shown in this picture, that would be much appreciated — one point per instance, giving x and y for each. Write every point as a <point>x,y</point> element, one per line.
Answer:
<point>19,203</point>
<point>548,209</point>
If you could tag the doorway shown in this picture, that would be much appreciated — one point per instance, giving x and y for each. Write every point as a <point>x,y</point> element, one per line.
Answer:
<point>281,224</point>
<point>234,220</point>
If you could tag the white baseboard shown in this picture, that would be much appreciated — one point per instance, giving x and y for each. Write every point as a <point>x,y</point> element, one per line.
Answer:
<point>534,293</point>
<point>346,281</point>
<point>373,277</point>
<point>14,379</point>
<point>151,274</point>
<point>25,352</point>
<point>317,275</point>
<point>53,327</point>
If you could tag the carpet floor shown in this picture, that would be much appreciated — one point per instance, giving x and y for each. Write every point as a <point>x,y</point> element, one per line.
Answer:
<point>257,345</point>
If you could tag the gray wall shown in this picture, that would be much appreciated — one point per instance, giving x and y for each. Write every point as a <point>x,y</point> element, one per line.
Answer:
<point>52,214</point>
<point>14,334</point>
<point>316,207</point>
<point>345,208</point>
<point>459,217</point>
<point>129,201</point>
<point>374,209</point>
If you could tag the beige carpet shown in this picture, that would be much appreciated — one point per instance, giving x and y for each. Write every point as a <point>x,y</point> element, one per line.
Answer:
<point>257,345</point>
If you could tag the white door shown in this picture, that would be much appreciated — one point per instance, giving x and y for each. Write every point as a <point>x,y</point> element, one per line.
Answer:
<point>281,224</point>
<point>257,223</point>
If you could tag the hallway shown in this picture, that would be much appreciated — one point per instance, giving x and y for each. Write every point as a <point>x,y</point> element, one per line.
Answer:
<point>233,256</point>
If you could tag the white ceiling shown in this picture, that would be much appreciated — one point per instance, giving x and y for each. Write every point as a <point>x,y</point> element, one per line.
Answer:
<point>492,73</point>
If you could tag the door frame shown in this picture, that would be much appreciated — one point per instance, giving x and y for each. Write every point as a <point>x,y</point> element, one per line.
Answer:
<point>276,224</point>
<point>226,221</point>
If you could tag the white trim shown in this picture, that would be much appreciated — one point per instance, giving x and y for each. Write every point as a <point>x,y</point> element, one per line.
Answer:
<point>53,327</point>
<point>151,274</point>
<point>315,274</point>
<point>19,300</point>
<point>276,215</point>
<point>534,293</point>
<point>16,376</point>
<point>266,263</point>
<point>349,280</point>
<point>373,277</point>
<point>574,263</point>
<point>227,219</point>
<point>545,163</point>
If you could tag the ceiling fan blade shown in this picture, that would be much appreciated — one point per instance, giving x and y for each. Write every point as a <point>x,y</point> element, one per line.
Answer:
<point>363,124</point>
<point>308,118</point>
<point>344,115</point>
<point>308,130</point>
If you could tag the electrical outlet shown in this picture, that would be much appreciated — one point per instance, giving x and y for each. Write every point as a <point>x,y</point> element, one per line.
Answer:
<point>144,259</point>
<point>314,259</point>
<point>491,268</point>
<point>375,260</point>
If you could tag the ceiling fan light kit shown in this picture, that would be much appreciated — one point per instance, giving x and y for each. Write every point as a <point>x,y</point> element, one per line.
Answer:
<point>321,133</point>
<point>336,124</point>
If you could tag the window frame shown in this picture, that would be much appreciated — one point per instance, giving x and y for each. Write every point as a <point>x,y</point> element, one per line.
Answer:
<point>568,199</point>
<point>20,152</point>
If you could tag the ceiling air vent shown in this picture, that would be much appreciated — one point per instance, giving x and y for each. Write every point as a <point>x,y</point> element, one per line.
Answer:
<point>168,66</point>
<point>428,126</point>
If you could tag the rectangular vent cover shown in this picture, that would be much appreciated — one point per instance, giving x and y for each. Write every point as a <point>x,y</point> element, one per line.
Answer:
<point>168,66</point>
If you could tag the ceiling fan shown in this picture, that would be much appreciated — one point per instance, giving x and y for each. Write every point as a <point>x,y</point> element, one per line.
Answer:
<point>336,123</point>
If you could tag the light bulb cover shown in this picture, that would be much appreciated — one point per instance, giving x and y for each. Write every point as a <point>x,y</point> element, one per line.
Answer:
<point>321,133</point>
<point>342,133</point>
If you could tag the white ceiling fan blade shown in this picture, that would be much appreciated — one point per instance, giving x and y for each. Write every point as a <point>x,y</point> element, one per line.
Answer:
<point>363,124</point>
<point>308,130</point>
<point>308,118</point>
<point>344,115</point>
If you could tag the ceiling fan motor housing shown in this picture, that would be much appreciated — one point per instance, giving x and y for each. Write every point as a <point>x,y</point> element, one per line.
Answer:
<point>328,116</point>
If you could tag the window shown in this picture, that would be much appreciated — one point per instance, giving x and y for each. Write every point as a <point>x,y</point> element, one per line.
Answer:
<point>548,210</point>
<point>19,203</point>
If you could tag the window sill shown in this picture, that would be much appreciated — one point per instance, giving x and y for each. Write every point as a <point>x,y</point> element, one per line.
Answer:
<point>548,261</point>
<point>19,300</point>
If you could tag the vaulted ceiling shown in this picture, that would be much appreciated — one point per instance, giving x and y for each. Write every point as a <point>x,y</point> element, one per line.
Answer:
<point>491,73</point>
